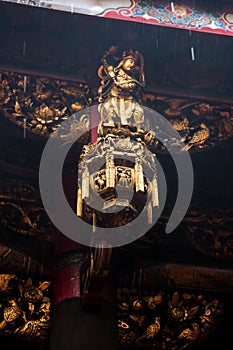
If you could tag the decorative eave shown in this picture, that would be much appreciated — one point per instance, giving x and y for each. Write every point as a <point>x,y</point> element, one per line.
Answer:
<point>178,62</point>
<point>208,18</point>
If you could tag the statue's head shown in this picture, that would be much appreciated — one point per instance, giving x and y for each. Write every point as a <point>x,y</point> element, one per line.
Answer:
<point>129,58</point>
<point>129,54</point>
<point>128,64</point>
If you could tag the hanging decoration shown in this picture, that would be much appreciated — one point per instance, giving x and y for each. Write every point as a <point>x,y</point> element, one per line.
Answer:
<point>118,172</point>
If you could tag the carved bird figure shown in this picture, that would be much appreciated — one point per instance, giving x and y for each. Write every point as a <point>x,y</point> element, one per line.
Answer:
<point>180,125</point>
<point>199,137</point>
<point>190,333</point>
<point>151,330</point>
<point>12,311</point>
<point>5,280</point>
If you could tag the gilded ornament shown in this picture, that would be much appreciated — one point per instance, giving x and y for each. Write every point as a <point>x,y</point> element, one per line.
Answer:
<point>122,324</point>
<point>123,306</point>
<point>32,294</point>
<point>176,321</point>
<point>191,333</point>
<point>151,330</point>
<point>5,282</point>
<point>178,313</point>
<point>12,312</point>
<point>140,319</point>
<point>151,302</point>
<point>199,137</point>
<point>27,316</point>
<point>136,305</point>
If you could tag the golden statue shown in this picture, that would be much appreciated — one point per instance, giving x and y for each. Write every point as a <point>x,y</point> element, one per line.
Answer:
<point>121,87</point>
<point>123,136</point>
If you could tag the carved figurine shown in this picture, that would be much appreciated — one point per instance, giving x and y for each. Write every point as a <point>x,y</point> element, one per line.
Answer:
<point>199,137</point>
<point>120,90</point>
<point>151,330</point>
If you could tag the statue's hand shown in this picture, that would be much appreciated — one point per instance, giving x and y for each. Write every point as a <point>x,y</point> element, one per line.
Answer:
<point>111,72</point>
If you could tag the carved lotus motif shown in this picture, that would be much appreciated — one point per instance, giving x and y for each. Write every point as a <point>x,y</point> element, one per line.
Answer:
<point>178,313</point>
<point>26,314</point>
<point>32,294</point>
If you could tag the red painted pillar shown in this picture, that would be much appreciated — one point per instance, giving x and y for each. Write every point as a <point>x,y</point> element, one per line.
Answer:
<point>74,328</point>
<point>68,254</point>
<point>68,257</point>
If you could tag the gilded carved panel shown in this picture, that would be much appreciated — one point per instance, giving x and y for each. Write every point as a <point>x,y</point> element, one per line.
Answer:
<point>24,308</point>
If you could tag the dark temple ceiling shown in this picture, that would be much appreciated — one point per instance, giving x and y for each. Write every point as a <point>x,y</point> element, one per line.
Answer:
<point>71,46</point>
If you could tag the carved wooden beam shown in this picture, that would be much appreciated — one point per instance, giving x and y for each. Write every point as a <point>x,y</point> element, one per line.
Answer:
<point>162,319</point>
<point>22,211</point>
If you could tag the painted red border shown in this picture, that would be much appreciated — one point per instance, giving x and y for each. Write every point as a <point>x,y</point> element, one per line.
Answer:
<point>127,14</point>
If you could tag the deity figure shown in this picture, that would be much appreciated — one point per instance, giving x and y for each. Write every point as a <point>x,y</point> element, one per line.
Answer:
<point>122,79</point>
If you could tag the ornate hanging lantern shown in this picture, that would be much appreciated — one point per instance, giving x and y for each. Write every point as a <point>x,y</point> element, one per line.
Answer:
<point>118,173</point>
